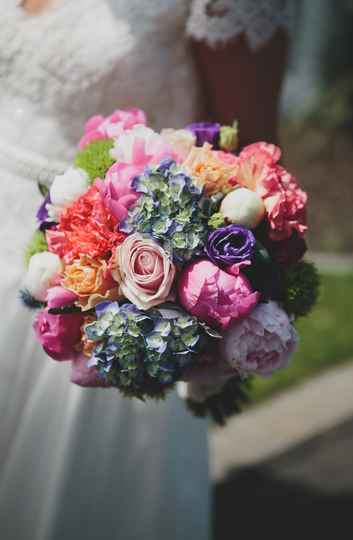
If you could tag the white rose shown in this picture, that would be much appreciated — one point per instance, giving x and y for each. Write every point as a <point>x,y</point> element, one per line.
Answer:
<point>42,270</point>
<point>181,140</point>
<point>243,207</point>
<point>65,189</point>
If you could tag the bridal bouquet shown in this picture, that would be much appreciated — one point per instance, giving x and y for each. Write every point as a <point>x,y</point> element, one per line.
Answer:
<point>165,258</point>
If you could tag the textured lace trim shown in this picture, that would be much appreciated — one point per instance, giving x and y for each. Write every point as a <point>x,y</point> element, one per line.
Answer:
<point>219,21</point>
<point>28,165</point>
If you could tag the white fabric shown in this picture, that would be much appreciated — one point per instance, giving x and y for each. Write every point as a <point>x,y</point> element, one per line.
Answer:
<point>218,21</point>
<point>84,463</point>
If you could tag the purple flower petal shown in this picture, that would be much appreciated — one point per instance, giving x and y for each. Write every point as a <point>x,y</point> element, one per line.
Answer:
<point>230,245</point>
<point>205,132</point>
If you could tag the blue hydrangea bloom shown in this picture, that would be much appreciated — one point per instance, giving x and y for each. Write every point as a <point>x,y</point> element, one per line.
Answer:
<point>143,352</point>
<point>171,209</point>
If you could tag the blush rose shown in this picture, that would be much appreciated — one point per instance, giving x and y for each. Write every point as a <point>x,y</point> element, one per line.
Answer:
<point>144,271</point>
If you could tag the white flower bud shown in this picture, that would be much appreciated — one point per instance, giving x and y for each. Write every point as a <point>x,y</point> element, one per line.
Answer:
<point>66,188</point>
<point>243,207</point>
<point>42,270</point>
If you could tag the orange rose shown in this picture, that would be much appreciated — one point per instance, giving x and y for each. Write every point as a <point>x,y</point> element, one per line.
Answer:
<point>209,170</point>
<point>91,281</point>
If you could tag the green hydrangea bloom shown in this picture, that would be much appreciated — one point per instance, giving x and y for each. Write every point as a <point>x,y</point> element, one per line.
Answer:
<point>95,158</point>
<point>216,220</point>
<point>302,283</point>
<point>37,244</point>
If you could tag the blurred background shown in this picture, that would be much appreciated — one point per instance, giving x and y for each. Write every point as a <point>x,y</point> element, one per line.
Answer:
<point>287,462</point>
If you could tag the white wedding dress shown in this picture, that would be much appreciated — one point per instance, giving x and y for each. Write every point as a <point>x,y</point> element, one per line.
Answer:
<point>78,463</point>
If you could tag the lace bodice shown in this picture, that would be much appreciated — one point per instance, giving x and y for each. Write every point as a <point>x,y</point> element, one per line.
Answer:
<point>88,56</point>
<point>218,21</point>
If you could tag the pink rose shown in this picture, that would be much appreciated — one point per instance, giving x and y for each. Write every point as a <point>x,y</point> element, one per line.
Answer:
<point>99,127</point>
<point>215,296</point>
<point>285,203</point>
<point>116,190</point>
<point>83,375</point>
<point>261,343</point>
<point>58,334</point>
<point>144,271</point>
<point>59,297</point>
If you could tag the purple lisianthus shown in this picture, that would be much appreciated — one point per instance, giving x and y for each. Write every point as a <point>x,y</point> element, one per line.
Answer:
<point>230,245</point>
<point>205,132</point>
<point>42,214</point>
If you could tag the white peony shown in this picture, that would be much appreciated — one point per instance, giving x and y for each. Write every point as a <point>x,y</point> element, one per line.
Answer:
<point>65,189</point>
<point>243,207</point>
<point>42,271</point>
<point>140,143</point>
<point>182,140</point>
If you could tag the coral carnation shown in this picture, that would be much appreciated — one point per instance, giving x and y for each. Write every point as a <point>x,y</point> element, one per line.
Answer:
<point>284,201</point>
<point>285,204</point>
<point>86,227</point>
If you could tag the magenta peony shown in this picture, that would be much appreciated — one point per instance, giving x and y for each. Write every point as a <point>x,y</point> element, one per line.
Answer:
<point>214,296</point>
<point>58,334</point>
<point>59,297</point>
<point>83,375</point>
<point>261,343</point>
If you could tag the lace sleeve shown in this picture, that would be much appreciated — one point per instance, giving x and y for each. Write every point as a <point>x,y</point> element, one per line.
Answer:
<point>218,21</point>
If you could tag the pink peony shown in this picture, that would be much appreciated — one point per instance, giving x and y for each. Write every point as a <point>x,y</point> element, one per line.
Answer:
<point>285,203</point>
<point>261,343</point>
<point>215,296</point>
<point>59,297</point>
<point>116,190</point>
<point>83,375</point>
<point>144,271</point>
<point>58,334</point>
<point>99,127</point>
